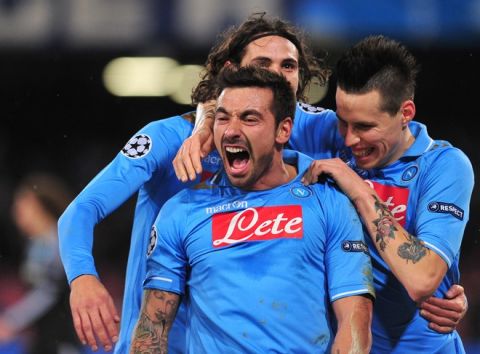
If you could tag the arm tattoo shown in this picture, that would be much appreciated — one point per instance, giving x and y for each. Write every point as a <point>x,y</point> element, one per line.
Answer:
<point>384,224</point>
<point>156,319</point>
<point>413,250</point>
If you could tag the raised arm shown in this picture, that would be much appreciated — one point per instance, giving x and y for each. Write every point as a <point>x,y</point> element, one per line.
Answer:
<point>354,317</point>
<point>155,321</point>
<point>188,161</point>
<point>415,266</point>
<point>419,269</point>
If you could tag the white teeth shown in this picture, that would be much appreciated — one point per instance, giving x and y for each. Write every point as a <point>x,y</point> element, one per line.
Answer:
<point>233,150</point>
<point>362,153</point>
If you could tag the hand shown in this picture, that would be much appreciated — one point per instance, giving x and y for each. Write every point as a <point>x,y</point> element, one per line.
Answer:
<point>6,331</point>
<point>346,178</point>
<point>188,161</point>
<point>444,315</point>
<point>93,312</point>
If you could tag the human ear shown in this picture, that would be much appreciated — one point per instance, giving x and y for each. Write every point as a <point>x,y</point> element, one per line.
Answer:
<point>284,131</point>
<point>408,111</point>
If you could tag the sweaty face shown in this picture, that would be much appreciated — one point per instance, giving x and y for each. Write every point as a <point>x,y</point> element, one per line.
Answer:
<point>376,138</point>
<point>274,53</point>
<point>245,135</point>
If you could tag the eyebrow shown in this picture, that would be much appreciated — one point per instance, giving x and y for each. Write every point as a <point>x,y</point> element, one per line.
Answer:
<point>261,58</point>
<point>251,112</point>
<point>291,60</point>
<point>221,110</point>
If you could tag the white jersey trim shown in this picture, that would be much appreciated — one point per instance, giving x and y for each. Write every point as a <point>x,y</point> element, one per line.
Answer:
<point>162,279</point>
<point>440,252</point>
<point>350,293</point>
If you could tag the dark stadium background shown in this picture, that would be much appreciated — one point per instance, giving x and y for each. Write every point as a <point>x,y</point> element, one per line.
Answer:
<point>57,116</point>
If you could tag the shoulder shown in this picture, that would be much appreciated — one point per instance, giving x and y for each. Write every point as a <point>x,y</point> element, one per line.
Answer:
<point>308,108</point>
<point>305,112</point>
<point>441,152</point>
<point>329,194</point>
<point>175,124</point>
<point>167,132</point>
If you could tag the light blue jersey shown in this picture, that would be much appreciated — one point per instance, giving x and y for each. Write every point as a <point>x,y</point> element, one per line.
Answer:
<point>261,267</point>
<point>145,166</point>
<point>428,191</point>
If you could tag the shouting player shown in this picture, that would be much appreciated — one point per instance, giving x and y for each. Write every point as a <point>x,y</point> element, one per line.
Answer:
<point>258,257</point>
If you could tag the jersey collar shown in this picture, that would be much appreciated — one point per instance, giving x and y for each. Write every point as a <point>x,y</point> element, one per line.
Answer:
<point>422,142</point>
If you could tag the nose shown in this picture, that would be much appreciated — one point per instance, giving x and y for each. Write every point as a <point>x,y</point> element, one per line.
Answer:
<point>276,68</point>
<point>233,129</point>
<point>350,137</point>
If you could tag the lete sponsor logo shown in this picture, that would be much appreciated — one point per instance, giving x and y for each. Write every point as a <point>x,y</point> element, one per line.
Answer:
<point>257,224</point>
<point>395,198</point>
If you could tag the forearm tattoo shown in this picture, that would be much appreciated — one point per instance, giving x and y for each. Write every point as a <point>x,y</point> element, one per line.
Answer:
<point>411,250</point>
<point>154,323</point>
<point>384,224</point>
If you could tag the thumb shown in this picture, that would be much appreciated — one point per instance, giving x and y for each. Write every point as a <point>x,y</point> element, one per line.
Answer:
<point>454,291</point>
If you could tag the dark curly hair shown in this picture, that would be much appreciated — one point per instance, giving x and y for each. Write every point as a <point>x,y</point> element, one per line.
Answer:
<point>230,46</point>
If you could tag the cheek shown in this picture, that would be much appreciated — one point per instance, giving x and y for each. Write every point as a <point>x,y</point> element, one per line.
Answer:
<point>292,79</point>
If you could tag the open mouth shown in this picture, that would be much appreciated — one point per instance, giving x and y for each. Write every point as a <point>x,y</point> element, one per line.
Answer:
<point>237,157</point>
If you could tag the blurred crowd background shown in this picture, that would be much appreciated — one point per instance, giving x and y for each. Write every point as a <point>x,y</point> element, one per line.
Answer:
<point>65,112</point>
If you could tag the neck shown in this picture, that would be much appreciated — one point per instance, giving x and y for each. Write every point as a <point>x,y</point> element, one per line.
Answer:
<point>278,173</point>
<point>407,140</point>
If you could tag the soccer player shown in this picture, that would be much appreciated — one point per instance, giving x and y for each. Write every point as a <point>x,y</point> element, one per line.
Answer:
<point>144,166</point>
<point>258,257</point>
<point>415,203</point>
<point>393,153</point>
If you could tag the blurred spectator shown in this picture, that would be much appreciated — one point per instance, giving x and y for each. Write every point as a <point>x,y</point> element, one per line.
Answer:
<point>38,201</point>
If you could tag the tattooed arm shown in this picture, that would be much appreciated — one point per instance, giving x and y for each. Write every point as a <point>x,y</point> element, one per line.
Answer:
<point>414,265</point>
<point>156,318</point>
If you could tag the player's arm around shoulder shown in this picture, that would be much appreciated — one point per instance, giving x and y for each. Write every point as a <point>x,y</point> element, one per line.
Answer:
<point>354,318</point>
<point>156,318</point>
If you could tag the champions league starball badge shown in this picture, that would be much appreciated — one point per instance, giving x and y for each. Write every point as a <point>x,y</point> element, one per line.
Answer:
<point>310,108</point>
<point>137,147</point>
<point>153,241</point>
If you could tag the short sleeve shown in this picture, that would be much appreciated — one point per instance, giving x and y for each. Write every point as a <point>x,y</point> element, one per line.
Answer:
<point>166,258</point>
<point>347,260</point>
<point>443,208</point>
